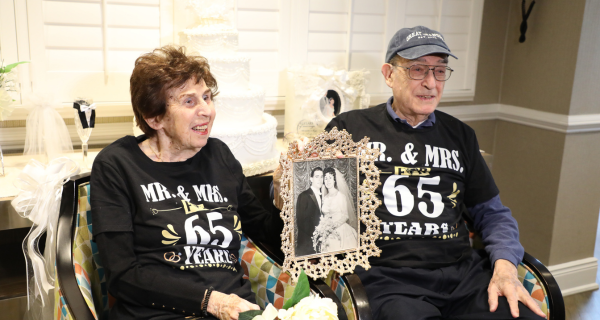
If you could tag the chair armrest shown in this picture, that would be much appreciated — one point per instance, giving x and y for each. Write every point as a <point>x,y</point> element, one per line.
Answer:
<point>359,296</point>
<point>64,251</point>
<point>555,299</point>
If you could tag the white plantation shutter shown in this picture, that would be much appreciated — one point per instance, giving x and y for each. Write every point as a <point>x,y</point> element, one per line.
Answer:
<point>63,39</point>
<point>260,37</point>
<point>369,43</point>
<point>353,33</point>
<point>69,52</point>
<point>460,24</point>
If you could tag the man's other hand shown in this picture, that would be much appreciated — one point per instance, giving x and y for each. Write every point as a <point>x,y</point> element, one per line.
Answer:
<point>506,283</point>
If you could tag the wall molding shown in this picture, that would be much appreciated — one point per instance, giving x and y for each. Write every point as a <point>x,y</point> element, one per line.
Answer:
<point>276,105</point>
<point>527,117</point>
<point>576,276</point>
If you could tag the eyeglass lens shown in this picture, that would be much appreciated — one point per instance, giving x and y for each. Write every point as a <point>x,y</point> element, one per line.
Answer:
<point>419,71</point>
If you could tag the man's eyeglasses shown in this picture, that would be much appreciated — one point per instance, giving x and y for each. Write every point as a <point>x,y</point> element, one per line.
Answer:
<point>420,71</point>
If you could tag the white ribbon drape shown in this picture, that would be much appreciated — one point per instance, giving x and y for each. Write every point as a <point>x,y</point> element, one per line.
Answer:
<point>39,201</point>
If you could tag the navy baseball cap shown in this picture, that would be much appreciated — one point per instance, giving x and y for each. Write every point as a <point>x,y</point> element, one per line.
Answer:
<point>413,43</point>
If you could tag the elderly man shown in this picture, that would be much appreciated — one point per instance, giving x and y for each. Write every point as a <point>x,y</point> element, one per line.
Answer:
<point>431,170</point>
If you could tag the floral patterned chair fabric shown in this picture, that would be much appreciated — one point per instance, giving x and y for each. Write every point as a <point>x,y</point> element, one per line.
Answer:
<point>86,264</point>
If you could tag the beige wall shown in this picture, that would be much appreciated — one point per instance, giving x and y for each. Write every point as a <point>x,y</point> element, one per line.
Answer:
<point>578,201</point>
<point>539,73</point>
<point>527,165</point>
<point>486,132</point>
<point>584,99</point>
<point>549,179</point>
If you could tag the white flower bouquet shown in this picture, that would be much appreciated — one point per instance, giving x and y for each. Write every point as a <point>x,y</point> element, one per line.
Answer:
<point>301,306</point>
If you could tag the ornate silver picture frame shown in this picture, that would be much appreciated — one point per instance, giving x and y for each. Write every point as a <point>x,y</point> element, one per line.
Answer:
<point>328,200</point>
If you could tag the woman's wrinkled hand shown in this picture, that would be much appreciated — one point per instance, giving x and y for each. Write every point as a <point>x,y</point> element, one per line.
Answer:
<point>228,306</point>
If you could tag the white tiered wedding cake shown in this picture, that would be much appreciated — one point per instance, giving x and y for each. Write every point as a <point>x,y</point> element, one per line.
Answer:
<point>240,122</point>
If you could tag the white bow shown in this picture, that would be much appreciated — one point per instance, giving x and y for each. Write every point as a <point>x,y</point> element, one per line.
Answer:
<point>85,107</point>
<point>39,200</point>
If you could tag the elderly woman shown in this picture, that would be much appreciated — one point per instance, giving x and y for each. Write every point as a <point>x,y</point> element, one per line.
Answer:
<point>169,206</point>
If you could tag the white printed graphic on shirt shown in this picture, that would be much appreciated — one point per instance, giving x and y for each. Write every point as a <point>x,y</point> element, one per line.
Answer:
<point>203,227</point>
<point>417,193</point>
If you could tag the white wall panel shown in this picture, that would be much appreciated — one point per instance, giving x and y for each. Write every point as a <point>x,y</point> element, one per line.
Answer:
<point>336,22</point>
<point>123,38</point>
<point>257,20</point>
<point>460,8</point>
<point>459,63</point>
<point>368,23</point>
<point>136,2</point>
<point>82,13</point>
<point>269,80</point>
<point>124,61</point>
<point>258,41</point>
<point>74,60</point>
<point>457,42</point>
<point>427,21</point>
<point>90,60</point>
<point>68,85</point>
<point>367,60</point>
<point>422,7</point>
<point>367,42</point>
<point>459,25</point>
<point>327,42</point>
<point>327,59</point>
<point>133,16</point>
<point>369,6</point>
<point>457,80</point>
<point>89,13</point>
<point>258,4</point>
<point>263,61</point>
<point>73,37</point>
<point>342,6</point>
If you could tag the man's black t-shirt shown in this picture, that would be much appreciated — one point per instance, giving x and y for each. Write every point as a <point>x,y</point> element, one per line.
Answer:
<point>428,175</point>
<point>168,231</point>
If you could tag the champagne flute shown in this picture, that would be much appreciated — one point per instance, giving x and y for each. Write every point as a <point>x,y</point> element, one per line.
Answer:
<point>84,133</point>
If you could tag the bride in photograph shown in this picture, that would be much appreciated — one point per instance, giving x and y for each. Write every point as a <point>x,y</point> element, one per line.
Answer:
<point>335,231</point>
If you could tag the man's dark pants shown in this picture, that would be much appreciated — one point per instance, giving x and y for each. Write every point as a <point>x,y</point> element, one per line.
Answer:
<point>454,292</point>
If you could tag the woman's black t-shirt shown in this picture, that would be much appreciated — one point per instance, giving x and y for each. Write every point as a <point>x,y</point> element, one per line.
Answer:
<point>166,232</point>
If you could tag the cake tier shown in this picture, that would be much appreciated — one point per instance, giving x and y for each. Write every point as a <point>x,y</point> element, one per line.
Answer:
<point>230,70</point>
<point>209,39</point>
<point>240,107</point>
<point>254,147</point>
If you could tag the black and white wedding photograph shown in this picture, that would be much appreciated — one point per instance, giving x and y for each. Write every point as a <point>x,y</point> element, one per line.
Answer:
<point>326,219</point>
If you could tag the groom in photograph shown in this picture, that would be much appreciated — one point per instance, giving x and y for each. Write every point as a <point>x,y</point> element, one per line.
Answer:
<point>308,213</point>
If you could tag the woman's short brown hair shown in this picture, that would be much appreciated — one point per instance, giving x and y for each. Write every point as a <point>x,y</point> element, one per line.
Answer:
<point>159,71</point>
